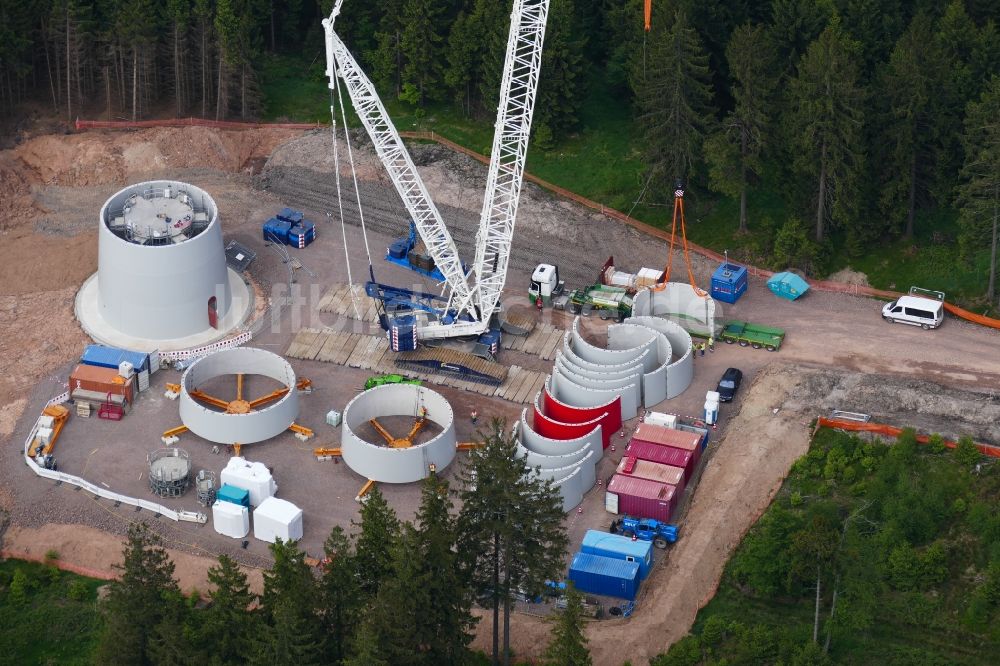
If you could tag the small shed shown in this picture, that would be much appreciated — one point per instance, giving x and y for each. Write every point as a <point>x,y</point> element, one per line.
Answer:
<point>277,519</point>
<point>641,498</point>
<point>729,282</point>
<point>619,547</point>
<point>787,285</point>
<point>665,455</point>
<point>607,576</point>
<point>231,520</point>
<point>233,495</point>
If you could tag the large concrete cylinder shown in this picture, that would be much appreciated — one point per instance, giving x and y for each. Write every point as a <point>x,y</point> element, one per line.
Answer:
<point>161,263</point>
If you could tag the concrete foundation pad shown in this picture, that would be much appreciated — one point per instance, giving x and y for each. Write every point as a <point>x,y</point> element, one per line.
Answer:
<point>89,316</point>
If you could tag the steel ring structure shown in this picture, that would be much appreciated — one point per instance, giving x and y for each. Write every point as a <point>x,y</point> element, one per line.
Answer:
<point>241,421</point>
<point>395,463</point>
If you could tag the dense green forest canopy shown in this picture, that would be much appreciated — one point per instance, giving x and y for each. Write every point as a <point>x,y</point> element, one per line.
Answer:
<point>835,125</point>
<point>872,552</point>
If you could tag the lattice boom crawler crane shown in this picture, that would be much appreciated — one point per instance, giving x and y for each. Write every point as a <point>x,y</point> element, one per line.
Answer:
<point>469,304</point>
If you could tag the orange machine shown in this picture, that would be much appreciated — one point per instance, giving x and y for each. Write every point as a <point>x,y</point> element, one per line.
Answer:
<point>43,445</point>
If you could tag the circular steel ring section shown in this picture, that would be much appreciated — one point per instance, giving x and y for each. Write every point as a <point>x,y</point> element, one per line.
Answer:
<point>397,465</point>
<point>236,427</point>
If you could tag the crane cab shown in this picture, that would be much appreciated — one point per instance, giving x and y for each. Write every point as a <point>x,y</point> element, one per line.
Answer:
<point>545,283</point>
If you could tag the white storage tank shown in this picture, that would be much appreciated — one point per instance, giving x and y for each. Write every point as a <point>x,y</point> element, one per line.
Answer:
<point>231,520</point>
<point>254,477</point>
<point>162,281</point>
<point>125,369</point>
<point>277,519</point>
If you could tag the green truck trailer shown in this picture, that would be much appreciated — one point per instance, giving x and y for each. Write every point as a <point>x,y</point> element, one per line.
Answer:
<point>609,302</point>
<point>746,334</point>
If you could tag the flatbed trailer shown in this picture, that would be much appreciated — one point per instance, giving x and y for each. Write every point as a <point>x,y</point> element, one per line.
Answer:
<point>757,336</point>
<point>613,302</point>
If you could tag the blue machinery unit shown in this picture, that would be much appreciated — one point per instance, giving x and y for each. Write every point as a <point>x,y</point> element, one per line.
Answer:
<point>403,253</point>
<point>729,282</point>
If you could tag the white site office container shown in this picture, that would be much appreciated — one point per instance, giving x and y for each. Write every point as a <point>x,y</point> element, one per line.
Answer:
<point>661,419</point>
<point>231,520</point>
<point>277,519</point>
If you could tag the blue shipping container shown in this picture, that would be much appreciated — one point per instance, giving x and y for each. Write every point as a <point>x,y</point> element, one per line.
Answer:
<point>228,493</point>
<point>276,230</point>
<point>619,547</point>
<point>604,575</point>
<point>729,282</point>
<point>111,357</point>
<point>290,215</point>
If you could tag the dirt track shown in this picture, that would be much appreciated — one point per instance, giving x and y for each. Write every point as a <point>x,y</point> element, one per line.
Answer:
<point>52,186</point>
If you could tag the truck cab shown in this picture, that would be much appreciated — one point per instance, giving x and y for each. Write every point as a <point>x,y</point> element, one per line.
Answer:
<point>545,282</point>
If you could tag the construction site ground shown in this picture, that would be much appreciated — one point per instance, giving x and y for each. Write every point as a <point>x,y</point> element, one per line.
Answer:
<point>838,354</point>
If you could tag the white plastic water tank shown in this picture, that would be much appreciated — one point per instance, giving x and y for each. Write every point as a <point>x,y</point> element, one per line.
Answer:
<point>277,519</point>
<point>231,520</point>
<point>255,478</point>
<point>125,369</point>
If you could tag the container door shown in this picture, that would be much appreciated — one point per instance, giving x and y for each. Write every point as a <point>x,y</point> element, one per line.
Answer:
<point>213,315</point>
<point>611,502</point>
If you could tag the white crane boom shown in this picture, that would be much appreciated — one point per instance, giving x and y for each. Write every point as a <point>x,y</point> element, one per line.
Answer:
<point>403,173</point>
<point>471,308</point>
<point>519,87</point>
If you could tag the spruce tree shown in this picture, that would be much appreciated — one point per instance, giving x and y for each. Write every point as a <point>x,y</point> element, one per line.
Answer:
<point>421,43</point>
<point>733,152</point>
<point>911,82</point>
<point>372,559</point>
<point>338,595</point>
<point>289,638</point>
<point>289,605</point>
<point>138,600</point>
<point>227,624</point>
<point>445,623</point>
<point>568,646</point>
<point>511,535</point>
<point>463,55</point>
<point>672,89</point>
<point>979,193</point>
<point>826,121</point>
<point>561,88</point>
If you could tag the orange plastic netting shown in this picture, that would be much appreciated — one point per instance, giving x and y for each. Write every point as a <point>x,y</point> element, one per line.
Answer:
<point>892,431</point>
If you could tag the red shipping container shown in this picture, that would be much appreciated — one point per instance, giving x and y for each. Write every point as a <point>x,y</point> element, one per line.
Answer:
<point>665,455</point>
<point>641,498</point>
<point>679,439</point>
<point>645,469</point>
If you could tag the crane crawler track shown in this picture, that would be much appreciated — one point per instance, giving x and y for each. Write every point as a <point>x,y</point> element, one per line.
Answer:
<point>452,362</point>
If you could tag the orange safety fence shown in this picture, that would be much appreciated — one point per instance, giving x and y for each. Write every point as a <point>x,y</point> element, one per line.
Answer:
<point>818,285</point>
<point>892,431</point>
<point>972,316</point>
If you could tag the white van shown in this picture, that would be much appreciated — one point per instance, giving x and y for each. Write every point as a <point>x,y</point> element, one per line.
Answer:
<point>916,310</point>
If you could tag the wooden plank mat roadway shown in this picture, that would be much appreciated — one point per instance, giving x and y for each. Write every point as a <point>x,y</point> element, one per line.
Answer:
<point>542,341</point>
<point>371,352</point>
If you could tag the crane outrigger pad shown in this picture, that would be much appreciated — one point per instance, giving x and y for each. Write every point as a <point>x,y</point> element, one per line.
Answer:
<point>452,362</point>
